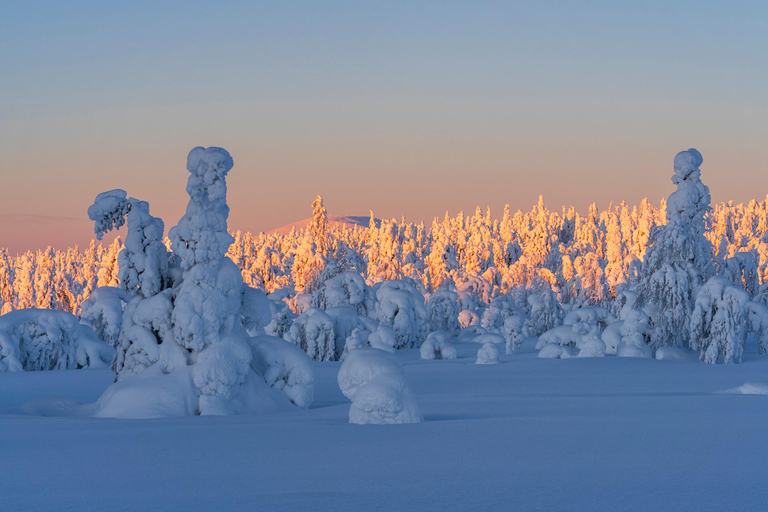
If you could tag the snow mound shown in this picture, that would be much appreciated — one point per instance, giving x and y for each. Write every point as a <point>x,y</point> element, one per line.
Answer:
<point>628,350</point>
<point>555,351</point>
<point>42,339</point>
<point>749,388</point>
<point>488,354</point>
<point>374,381</point>
<point>673,354</point>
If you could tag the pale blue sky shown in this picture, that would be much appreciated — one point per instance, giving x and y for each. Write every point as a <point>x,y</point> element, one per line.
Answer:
<point>408,108</point>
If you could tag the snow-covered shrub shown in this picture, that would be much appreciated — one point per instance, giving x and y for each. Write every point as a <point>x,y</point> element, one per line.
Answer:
<point>596,315</point>
<point>718,324</point>
<point>514,330</point>
<point>345,320</point>
<point>488,354</point>
<point>374,381</point>
<point>41,339</point>
<point>469,333</point>
<point>498,311</point>
<point>489,337</point>
<point>383,338</point>
<point>546,311</point>
<point>103,312</point>
<point>741,271</point>
<point>443,308</point>
<point>284,366</point>
<point>313,332</point>
<point>401,306</point>
<point>555,351</point>
<point>437,346</point>
<point>282,318</point>
<point>757,323</point>
<point>564,335</point>
<point>358,338</point>
<point>672,354</point>
<point>256,311</point>
<point>611,336</point>
<point>467,318</point>
<point>346,289</point>
<point>474,292</point>
<point>591,345</point>
<point>634,335</point>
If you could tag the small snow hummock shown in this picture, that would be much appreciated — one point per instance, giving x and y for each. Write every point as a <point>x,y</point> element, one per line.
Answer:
<point>591,345</point>
<point>374,381</point>
<point>383,338</point>
<point>555,351</point>
<point>44,339</point>
<point>488,354</point>
<point>437,346</point>
<point>674,354</point>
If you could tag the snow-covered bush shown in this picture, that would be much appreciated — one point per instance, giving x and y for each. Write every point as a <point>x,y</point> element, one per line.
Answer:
<point>564,335</point>
<point>514,330</point>
<point>634,335</point>
<point>346,289</point>
<point>383,338</point>
<point>443,308</point>
<point>611,336</point>
<point>374,381</point>
<point>555,351</point>
<point>501,308</point>
<point>488,354</point>
<point>546,311</point>
<point>469,333</point>
<point>282,318</point>
<point>673,354</point>
<point>489,337</point>
<point>103,312</point>
<point>313,332</point>
<point>437,346</point>
<point>757,323</point>
<point>600,317</point>
<point>256,311</point>
<point>718,323</point>
<point>284,366</point>
<point>591,345</point>
<point>401,306</point>
<point>39,339</point>
<point>467,318</point>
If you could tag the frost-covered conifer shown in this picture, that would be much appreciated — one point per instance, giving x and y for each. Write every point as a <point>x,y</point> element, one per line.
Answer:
<point>718,323</point>
<point>679,259</point>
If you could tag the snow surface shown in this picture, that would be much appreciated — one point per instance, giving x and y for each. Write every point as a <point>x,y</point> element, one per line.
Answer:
<point>589,434</point>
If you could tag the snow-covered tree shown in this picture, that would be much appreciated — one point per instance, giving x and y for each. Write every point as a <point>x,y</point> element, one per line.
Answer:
<point>679,259</point>
<point>718,323</point>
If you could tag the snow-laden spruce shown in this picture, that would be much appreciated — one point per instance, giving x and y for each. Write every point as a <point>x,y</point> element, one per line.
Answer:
<point>41,339</point>
<point>183,347</point>
<point>679,258</point>
<point>401,306</point>
<point>103,312</point>
<point>374,381</point>
<point>718,324</point>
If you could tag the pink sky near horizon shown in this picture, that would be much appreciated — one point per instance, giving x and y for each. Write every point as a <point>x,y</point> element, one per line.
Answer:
<point>403,108</point>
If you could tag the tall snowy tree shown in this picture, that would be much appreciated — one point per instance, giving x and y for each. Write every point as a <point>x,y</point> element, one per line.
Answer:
<point>679,259</point>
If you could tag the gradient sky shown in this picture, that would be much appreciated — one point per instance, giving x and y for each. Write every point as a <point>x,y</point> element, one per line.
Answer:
<point>405,108</point>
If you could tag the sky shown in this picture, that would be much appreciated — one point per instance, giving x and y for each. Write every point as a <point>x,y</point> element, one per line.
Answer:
<point>404,108</point>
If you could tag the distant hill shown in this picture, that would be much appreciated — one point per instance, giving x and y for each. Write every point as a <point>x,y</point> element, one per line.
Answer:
<point>334,220</point>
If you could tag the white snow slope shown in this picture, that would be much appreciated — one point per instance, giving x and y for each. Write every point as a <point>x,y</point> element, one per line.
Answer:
<point>597,434</point>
